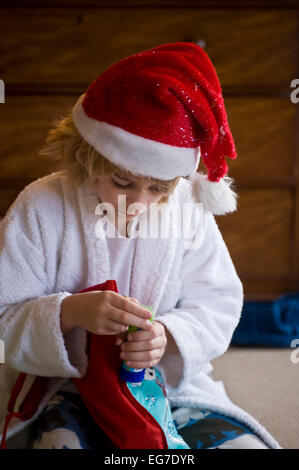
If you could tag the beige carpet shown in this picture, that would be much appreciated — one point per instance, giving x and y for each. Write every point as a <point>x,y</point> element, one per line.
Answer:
<point>264,382</point>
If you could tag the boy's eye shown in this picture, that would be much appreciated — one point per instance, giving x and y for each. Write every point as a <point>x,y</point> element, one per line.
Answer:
<point>121,185</point>
<point>156,189</point>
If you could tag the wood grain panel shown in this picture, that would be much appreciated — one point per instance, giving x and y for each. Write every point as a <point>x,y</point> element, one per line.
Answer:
<point>247,4</point>
<point>269,289</point>
<point>263,129</point>
<point>259,235</point>
<point>25,122</point>
<point>67,46</point>
<point>264,134</point>
<point>7,197</point>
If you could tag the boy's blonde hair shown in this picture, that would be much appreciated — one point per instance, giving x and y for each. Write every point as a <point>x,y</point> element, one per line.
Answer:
<point>80,161</point>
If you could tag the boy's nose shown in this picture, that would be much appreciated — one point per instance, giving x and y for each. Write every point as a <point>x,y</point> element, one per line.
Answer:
<point>139,200</point>
<point>133,211</point>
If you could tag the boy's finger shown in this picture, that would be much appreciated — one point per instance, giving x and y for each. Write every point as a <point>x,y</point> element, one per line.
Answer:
<point>142,345</point>
<point>131,306</point>
<point>133,299</point>
<point>141,356</point>
<point>126,318</point>
<point>141,335</point>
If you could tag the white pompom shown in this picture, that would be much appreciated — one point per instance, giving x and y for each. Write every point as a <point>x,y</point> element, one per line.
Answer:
<point>217,197</point>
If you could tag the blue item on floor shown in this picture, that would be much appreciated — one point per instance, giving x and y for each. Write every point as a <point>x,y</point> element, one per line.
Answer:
<point>269,323</point>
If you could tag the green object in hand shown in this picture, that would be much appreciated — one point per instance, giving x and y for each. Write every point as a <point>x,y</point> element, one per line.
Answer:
<point>135,328</point>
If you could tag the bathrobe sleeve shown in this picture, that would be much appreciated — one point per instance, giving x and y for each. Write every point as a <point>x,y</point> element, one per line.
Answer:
<point>29,311</point>
<point>208,310</point>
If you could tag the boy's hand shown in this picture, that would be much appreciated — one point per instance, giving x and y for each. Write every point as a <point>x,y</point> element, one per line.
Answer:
<point>102,313</point>
<point>144,348</point>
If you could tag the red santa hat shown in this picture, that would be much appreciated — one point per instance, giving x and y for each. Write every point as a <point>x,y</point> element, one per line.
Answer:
<point>155,113</point>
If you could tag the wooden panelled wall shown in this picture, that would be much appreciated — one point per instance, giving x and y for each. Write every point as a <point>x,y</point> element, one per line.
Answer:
<point>51,51</point>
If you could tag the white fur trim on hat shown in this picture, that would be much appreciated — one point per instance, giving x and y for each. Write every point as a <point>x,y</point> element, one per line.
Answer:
<point>216,197</point>
<point>136,154</point>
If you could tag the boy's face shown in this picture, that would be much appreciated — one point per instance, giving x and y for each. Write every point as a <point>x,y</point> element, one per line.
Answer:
<point>135,189</point>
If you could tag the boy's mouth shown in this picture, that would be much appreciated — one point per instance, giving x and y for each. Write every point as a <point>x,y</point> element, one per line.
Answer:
<point>128,215</point>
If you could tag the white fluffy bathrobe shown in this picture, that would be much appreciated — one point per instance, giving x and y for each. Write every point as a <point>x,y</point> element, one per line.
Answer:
<point>49,249</point>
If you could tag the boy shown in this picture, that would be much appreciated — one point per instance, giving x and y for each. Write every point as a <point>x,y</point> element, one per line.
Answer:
<point>139,131</point>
